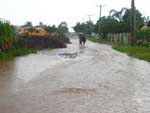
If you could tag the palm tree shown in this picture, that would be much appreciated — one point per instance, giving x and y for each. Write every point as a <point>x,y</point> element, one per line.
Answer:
<point>62,27</point>
<point>146,19</point>
<point>118,15</point>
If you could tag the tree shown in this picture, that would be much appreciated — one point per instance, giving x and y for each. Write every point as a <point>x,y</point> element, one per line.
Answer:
<point>28,24</point>
<point>87,27</point>
<point>51,29</point>
<point>108,25</point>
<point>41,24</point>
<point>118,21</point>
<point>90,27</point>
<point>62,28</point>
<point>79,27</point>
<point>124,18</point>
<point>118,15</point>
<point>127,20</point>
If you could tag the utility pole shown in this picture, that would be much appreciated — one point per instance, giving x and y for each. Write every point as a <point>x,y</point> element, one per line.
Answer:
<point>99,23</point>
<point>89,17</point>
<point>133,22</point>
<point>89,24</point>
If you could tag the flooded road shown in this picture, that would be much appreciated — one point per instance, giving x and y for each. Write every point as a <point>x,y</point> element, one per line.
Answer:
<point>91,79</point>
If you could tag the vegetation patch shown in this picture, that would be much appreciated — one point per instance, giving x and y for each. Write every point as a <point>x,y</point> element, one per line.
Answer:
<point>25,45</point>
<point>10,54</point>
<point>93,39</point>
<point>140,52</point>
<point>143,37</point>
<point>7,35</point>
<point>29,39</point>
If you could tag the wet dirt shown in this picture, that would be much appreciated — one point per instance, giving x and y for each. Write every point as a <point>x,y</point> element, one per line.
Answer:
<point>76,90</point>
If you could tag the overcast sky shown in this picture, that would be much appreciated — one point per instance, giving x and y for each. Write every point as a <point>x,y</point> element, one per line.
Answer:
<point>55,11</point>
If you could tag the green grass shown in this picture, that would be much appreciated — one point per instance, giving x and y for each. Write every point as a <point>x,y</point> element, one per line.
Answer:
<point>10,54</point>
<point>140,52</point>
<point>93,39</point>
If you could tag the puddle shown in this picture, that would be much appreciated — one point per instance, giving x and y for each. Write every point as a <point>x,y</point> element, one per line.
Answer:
<point>68,55</point>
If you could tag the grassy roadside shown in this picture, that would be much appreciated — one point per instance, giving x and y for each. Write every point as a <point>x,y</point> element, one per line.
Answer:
<point>139,52</point>
<point>25,45</point>
<point>97,40</point>
<point>10,54</point>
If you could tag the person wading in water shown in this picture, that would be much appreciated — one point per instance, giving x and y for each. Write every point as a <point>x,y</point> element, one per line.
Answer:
<point>82,39</point>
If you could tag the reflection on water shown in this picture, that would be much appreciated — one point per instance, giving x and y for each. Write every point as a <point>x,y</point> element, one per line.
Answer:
<point>26,68</point>
<point>6,68</point>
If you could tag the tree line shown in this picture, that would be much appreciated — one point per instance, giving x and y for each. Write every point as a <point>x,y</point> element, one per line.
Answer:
<point>9,39</point>
<point>61,29</point>
<point>115,22</point>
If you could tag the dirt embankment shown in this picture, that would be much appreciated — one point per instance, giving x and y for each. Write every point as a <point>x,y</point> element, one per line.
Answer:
<point>42,41</point>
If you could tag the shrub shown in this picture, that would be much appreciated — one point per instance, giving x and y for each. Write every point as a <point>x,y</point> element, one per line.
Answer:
<point>143,34</point>
<point>7,35</point>
<point>143,37</point>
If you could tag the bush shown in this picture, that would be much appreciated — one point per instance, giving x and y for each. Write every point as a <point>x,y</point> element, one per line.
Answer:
<point>143,43</point>
<point>143,37</point>
<point>7,35</point>
<point>143,34</point>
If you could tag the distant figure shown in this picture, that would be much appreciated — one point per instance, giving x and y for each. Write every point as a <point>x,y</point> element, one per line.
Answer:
<point>82,39</point>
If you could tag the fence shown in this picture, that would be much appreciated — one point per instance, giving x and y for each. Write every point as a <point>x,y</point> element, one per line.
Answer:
<point>123,38</point>
<point>119,37</point>
<point>95,35</point>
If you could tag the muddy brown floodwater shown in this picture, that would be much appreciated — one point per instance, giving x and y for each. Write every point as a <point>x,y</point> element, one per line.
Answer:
<point>91,79</point>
